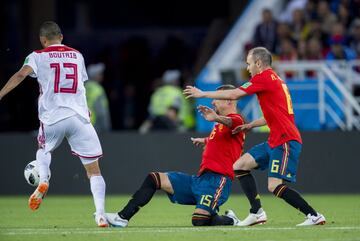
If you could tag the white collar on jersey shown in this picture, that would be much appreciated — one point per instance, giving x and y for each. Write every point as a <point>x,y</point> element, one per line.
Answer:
<point>55,45</point>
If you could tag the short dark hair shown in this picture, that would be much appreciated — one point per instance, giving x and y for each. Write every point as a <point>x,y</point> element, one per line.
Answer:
<point>263,54</point>
<point>226,87</point>
<point>50,30</point>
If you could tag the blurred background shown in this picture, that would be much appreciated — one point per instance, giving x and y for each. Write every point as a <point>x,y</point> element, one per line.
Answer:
<point>137,41</point>
<point>140,55</point>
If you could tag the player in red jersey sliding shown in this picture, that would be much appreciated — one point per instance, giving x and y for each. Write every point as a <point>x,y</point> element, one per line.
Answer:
<point>211,187</point>
<point>280,154</point>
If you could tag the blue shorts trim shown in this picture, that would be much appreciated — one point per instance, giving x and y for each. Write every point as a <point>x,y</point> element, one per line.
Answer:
<point>208,191</point>
<point>281,161</point>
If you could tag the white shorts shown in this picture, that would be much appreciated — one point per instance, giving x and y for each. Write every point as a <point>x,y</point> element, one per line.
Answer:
<point>81,136</point>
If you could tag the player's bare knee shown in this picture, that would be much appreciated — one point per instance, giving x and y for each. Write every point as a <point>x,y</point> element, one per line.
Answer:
<point>273,183</point>
<point>165,183</point>
<point>92,169</point>
<point>245,162</point>
<point>241,166</point>
<point>238,165</point>
<point>271,187</point>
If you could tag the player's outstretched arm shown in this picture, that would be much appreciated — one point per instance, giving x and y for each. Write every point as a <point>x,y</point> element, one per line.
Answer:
<point>15,80</point>
<point>210,115</point>
<point>233,94</point>
<point>249,126</point>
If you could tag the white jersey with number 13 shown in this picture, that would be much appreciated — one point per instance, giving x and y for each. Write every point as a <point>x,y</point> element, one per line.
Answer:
<point>61,73</point>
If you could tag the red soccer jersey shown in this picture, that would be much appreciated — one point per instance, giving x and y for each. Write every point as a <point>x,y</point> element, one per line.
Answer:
<point>275,102</point>
<point>223,148</point>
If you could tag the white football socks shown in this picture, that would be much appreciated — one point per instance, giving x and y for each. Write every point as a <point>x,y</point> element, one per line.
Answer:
<point>98,186</point>
<point>43,163</point>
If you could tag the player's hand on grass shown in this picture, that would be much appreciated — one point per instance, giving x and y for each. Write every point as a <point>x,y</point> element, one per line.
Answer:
<point>198,141</point>
<point>208,113</point>
<point>240,128</point>
<point>193,92</point>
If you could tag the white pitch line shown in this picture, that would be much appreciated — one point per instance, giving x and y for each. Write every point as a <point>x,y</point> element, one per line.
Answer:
<point>45,231</point>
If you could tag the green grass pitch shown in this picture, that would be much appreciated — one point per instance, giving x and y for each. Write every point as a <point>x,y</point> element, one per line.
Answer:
<point>70,218</point>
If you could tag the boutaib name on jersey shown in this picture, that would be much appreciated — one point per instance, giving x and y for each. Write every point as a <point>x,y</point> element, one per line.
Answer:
<point>71,55</point>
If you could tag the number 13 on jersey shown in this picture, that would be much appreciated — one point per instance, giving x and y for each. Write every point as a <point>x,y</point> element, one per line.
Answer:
<point>73,76</point>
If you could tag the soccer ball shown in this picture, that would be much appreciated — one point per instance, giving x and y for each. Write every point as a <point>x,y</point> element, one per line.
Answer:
<point>31,174</point>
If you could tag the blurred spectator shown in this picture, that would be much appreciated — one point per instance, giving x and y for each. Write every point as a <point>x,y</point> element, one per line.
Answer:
<point>344,15</point>
<point>301,49</point>
<point>297,24</point>
<point>265,32</point>
<point>287,50</point>
<point>313,30</point>
<point>283,32</point>
<point>338,30</point>
<point>170,95</point>
<point>338,49</point>
<point>169,121</point>
<point>327,18</point>
<point>310,10</point>
<point>96,98</point>
<point>352,6</point>
<point>287,15</point>
<point>355,36</point>
<point>288,53</point>
<point>314,50</point>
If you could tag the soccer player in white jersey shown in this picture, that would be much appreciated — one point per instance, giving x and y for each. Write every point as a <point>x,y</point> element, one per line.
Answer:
<point>63,112</point>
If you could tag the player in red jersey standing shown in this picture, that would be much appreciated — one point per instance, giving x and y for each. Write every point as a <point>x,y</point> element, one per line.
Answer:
<point>280,154</point>
<point>211,187</point>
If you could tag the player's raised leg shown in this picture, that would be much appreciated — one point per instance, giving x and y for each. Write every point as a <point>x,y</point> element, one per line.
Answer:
<point>49,138</point>
<point>43,161</point>
<point>152,182</point>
